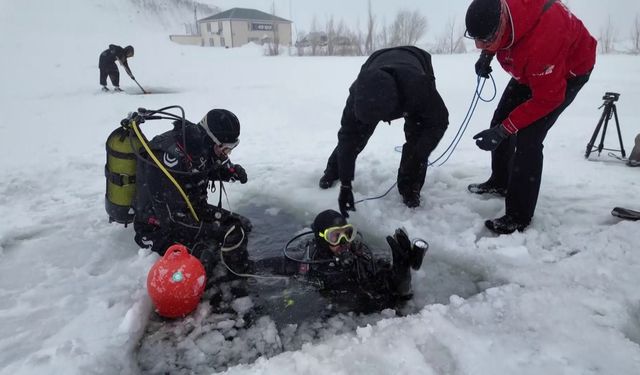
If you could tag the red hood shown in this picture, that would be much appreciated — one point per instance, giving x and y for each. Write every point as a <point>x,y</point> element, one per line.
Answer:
<point>522,19</point>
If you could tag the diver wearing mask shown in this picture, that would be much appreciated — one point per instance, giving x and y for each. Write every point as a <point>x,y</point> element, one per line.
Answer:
<point>338,262</point>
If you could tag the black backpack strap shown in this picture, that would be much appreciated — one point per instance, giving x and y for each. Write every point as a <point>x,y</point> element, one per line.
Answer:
<point>118,178</point>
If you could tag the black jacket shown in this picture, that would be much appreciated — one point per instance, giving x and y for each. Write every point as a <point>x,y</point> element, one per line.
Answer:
<point>360,280</point>
<point>419,101</point>
<point>159,206</point>
<point>109,56</point>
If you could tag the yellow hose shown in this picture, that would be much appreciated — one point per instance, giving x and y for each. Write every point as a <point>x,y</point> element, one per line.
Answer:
<point>136,130</point>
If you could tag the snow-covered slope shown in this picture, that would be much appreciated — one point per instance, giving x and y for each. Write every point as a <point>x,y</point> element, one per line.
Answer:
<point>560,298</point>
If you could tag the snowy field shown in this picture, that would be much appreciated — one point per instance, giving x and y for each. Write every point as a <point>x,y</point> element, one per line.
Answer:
<point>560,298</point>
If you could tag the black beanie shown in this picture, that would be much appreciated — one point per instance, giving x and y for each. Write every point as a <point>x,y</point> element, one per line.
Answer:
<point>221,126</point>
<point>327,219</point>
<point>375,96</point>
<point>483,18</point>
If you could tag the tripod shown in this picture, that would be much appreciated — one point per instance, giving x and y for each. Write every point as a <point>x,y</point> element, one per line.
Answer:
<point>609,110</point>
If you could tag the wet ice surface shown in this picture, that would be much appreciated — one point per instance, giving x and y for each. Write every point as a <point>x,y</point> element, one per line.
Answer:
<point>242,320</point>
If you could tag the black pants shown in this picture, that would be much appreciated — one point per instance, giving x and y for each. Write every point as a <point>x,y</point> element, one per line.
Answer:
<point>114,76</point>
<point>108,68</point>
<point>420,140</point>
<point>517,163</point>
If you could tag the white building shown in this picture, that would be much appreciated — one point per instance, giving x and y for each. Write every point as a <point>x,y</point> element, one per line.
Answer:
<point>238,26</point>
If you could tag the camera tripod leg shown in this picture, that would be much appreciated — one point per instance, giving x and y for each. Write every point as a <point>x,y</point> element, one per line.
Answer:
<point>615,114</point>
<point>595,134</point>
<point>604,129</point>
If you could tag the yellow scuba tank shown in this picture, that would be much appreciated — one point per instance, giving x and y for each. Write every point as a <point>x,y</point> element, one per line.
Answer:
<point>120,173</point>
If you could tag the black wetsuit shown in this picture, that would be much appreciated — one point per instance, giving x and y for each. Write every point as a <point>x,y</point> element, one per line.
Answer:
<point>425,114</point>
<point>108,67</point>
<point>359,282</point>
<point>163,217</point>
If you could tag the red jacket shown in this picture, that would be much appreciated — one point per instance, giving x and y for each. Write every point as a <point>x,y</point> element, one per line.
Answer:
<point>542,49</point>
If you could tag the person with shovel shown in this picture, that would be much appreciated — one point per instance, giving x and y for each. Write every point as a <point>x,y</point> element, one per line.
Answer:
<point>108,67</point>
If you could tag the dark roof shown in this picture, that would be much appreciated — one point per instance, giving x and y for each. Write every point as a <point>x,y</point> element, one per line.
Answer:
<point>244,14</point>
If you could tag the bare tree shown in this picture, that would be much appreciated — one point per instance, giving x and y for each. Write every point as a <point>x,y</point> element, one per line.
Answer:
<point>452,39</point>
<point>337,39</point>
<point>407,28</point>
<point>607,37</point>
<point>369,44</point>
<point>381,38</point>
<point>635,34</point>
<point>331,35</point>
<point>274,43</point>
<point>315,42</point>
<point>301,42</point>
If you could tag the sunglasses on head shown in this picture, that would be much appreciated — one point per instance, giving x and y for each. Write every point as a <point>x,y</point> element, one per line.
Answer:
<point>334,235</point>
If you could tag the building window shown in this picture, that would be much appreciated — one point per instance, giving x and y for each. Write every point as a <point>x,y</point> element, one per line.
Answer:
<point>219,27</point>
<point>208,27</point>
<point>212,42</point>
<point>222,43</point>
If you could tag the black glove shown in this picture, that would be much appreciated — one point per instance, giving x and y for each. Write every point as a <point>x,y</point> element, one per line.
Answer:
<point>483,65</point>
<point>490,139</point>
<point>400,248</point>
<point>401,252</point>
<point>238,174</point>
<point>345,200</point>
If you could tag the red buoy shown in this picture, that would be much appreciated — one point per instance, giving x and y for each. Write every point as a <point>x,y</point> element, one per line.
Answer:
<point>176,282</point>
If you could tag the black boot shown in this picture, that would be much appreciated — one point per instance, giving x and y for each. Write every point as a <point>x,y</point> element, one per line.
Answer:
<point>505,225</point>
<point>411,199</point>
<point>488,187</point>
<point>327,181</point>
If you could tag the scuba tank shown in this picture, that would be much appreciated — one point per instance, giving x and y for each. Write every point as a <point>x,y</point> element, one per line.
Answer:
<point>123,150</point>
<point>120,173</point>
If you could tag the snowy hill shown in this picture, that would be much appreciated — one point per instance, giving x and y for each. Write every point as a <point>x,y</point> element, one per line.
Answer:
<point>560,298</point>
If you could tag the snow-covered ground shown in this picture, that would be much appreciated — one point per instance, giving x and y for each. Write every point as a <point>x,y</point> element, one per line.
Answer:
<point>560,298</point>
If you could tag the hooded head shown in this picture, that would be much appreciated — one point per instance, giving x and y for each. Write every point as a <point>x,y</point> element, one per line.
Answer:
<point>128,51</point>
<point>375,96</point>
<point>332,232</point>
<point>222,127</point>
<point>327,219</point>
